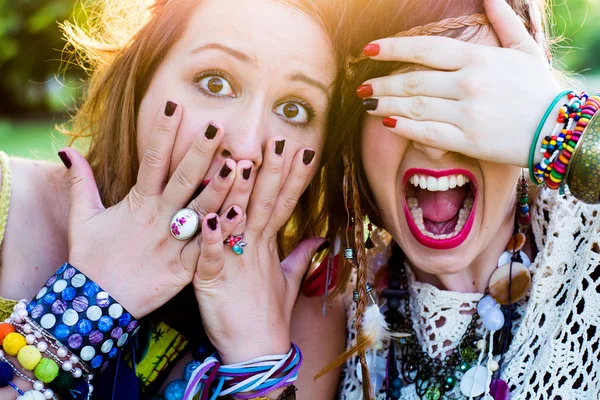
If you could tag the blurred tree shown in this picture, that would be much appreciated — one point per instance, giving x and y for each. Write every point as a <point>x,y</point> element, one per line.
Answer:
<point>30,44</point>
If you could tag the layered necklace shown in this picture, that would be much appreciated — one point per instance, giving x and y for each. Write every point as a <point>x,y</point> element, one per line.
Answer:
<point>469,370</point>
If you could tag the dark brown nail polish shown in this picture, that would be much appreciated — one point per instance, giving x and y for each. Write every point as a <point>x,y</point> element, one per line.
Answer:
<point>370,104</point>
<point>232,214</point>
<point>246,173</point>
<point>213,223</point>
<point>279,145</point>
<point>64,157</point>
<point>170,108</point>
<point>324,246</point>
<point>225,171</point>
<point>309,155</point>
<point>211,132</point>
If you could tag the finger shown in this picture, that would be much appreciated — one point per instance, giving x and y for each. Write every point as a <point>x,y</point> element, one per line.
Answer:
<point>193,168</point>
<point>230,220</point>
<point>510,28</point>
<point>84,196</point>
<point>212,197</point>
<point>154,167</point>
<point>297,262</point>
<point>240,192</point>
<point>418,83</point>
<point>211,259</point>
<point>417,108</point>
<point>434,134</point>
<point>266,189</point>
<point>302,170</point>
<point>431,51</point>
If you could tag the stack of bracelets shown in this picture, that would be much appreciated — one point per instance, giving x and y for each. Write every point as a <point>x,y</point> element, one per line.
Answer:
<point>560,149</point>
<point>72,329</point>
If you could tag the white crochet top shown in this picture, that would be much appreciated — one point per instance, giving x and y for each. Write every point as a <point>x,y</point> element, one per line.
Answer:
<point>555,352</point>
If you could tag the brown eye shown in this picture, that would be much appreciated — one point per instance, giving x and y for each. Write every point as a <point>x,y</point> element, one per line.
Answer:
<point>291,110</point>
<point>215,85</point>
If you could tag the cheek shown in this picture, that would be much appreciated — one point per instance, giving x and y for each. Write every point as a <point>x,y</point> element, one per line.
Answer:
<point>382,154</point>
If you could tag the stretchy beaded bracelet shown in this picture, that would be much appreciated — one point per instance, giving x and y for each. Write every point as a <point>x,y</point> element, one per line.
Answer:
<point>82,317</point>
<point>568,115</point>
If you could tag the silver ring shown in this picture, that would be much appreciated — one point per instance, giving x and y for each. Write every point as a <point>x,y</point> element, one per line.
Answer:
<point>184,224</point>
<point>236,243</point>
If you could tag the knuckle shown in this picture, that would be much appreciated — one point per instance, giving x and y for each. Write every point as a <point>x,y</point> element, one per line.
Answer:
<point>420,50</point>
<point>289,203</point>
<point>275,168</point>
<point>268,203</point>
<point>411,84</point>
<point>163,125</point>
<point>153,158</point>
<point>75,180</point>
<point>182,177</point>
<point>177,270</point>
<point>213,259</point>
<point>430,135</point>
<point>199,149</point>
<point>199,209</point>
<point>135,199</point>
<point>417,107</point>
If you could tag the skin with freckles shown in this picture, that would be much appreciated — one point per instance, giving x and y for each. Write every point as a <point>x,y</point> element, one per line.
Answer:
<point>467,267</point>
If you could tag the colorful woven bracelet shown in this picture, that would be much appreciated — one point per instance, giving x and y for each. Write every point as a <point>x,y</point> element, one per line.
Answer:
<point>568,114</point>
<point>85,319</point>
<point>557,172</point>
<point>536,136</point>
<point>248,380</point>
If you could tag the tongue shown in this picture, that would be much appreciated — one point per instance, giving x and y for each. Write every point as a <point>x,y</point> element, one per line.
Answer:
<point>441,206</point>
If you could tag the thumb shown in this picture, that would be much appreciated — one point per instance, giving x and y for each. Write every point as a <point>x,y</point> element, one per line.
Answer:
<point>83,192</point>
<point>508,26</point>
<point>298,261</point>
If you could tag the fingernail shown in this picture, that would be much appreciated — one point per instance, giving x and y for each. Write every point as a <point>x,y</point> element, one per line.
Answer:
<point>211,131</point>
<point>389,122</point>
<point>170,108</point>
<point>225,171</point>
<point>370,104</point>
<point>324,246</point>
<point>213,223</point>
<point>64,157</point>
<point>371,50</point>
<point>364,91</point>
<point>232,214</point>
<point>309,155</point>
<point>279,145</point>
<point>246,173</point>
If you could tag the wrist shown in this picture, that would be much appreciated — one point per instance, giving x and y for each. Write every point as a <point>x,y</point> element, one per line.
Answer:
<point>548,127</point>
<point>258,346</point>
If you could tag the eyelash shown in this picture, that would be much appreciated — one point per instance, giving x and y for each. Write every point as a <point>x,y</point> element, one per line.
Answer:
<point>309,109</point>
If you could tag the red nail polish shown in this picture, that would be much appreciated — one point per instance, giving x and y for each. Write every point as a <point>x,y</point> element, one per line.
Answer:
<point>371,50</point>
<point>389,122</point>
<point>364,91</point>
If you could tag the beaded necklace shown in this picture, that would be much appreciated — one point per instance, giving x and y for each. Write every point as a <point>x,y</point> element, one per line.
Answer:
<point>463,368</point>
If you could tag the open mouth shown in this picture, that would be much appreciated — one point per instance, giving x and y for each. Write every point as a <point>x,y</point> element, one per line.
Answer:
<point>440,206</point>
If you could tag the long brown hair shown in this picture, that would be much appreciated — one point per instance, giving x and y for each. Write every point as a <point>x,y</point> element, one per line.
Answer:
<point>344,176</point>
<point>121,46</point>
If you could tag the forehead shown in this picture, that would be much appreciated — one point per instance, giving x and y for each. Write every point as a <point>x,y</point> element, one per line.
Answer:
<point>270,32</point>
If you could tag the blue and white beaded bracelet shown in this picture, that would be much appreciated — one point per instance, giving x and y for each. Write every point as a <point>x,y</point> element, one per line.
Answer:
<point>82,316</point>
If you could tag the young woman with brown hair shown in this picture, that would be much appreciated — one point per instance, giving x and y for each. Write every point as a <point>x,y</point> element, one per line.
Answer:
<point>212,106</point>
<point>433,135</point>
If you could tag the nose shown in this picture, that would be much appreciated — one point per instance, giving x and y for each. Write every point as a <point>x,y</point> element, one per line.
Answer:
<point>431,152</point>
<point>244,137</point>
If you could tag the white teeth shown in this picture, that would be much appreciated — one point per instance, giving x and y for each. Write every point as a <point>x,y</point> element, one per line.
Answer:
<point>439,184</point>
<point>432,184</point>
<point>417,216</point>
<point>452,182</point>
<point>443,184</point>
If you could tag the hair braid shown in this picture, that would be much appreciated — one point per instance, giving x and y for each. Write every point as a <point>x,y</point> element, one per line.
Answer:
<point>362,268</point>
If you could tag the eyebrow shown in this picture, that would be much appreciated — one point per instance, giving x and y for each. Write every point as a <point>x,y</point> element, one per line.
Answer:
<point>300,77</point>
<point>226,49</point>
